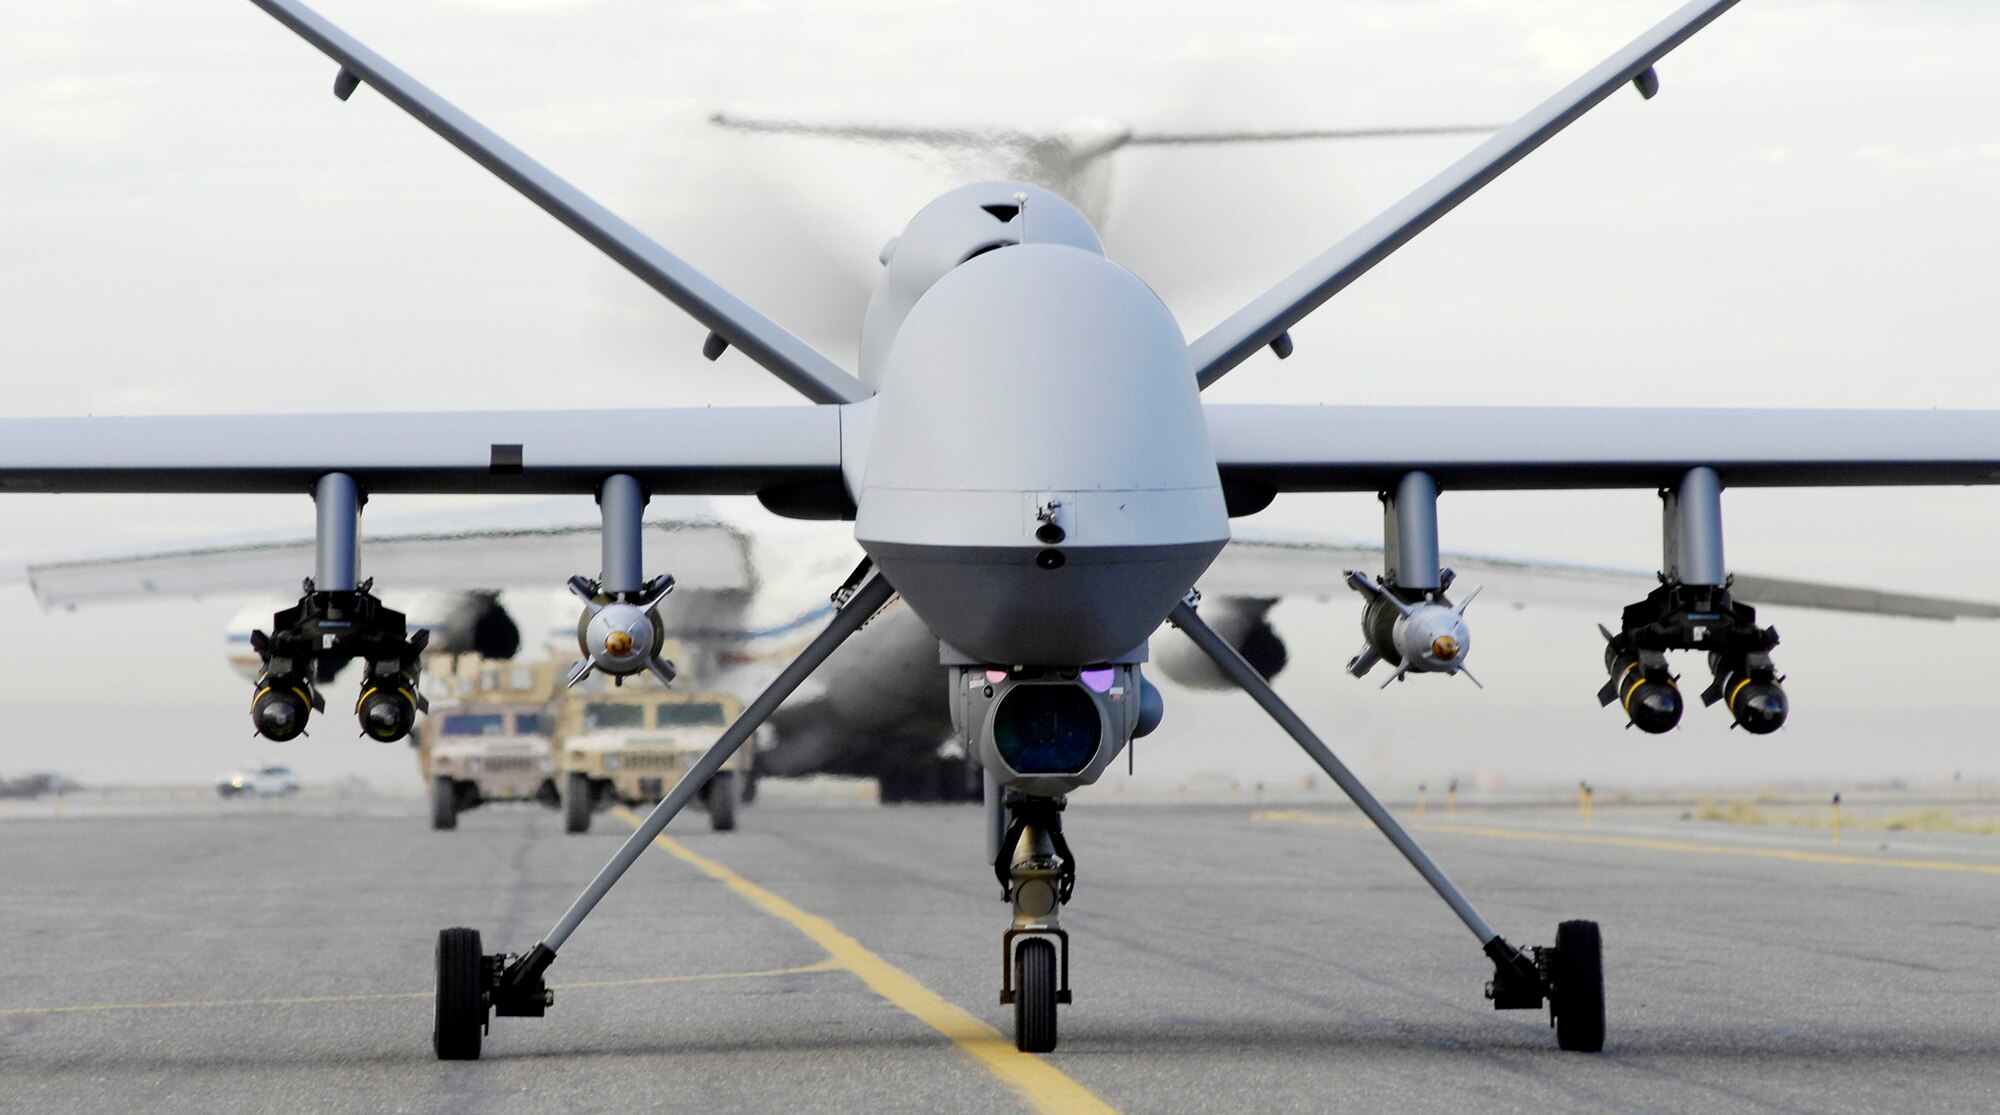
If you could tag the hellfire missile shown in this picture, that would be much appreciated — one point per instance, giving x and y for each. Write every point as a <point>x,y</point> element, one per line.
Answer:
<point>1641,685</point>
<point>1751,689</point>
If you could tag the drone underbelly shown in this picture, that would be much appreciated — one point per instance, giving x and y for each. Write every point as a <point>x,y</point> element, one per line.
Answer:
<point>996,604</point>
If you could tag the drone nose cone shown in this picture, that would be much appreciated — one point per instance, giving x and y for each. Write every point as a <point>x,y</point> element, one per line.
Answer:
<point>1654,706</point>
<point>618,643</point>
<point>1444,648</point>
<point>1760,708</point>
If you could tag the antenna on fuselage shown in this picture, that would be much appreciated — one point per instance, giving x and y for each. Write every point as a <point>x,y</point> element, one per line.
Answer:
<point>1021,202</point>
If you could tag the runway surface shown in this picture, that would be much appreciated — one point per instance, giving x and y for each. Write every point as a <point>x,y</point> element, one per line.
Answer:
<point>278,957</point>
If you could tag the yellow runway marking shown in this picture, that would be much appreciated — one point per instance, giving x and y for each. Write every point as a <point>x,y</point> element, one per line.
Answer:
<point>827,965</point>
<point>1040,1084</point>
<point>1304,817</point>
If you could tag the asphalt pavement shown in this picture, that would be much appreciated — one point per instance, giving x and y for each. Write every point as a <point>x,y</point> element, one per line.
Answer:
<point>829,957</point>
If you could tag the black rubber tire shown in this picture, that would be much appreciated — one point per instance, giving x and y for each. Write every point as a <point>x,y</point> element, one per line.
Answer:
<point>459,1022</point>
<point>1578,993</point>
<point>1035,996</point>
<point>722,801</point>
<point>577,803</point>
<point>444,804</point>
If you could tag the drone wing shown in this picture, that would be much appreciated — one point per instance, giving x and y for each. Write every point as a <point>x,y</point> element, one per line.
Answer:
<point>729,320</point>
<point>766,451</point>
<point>1353,449</point>
<point>1264,321</point>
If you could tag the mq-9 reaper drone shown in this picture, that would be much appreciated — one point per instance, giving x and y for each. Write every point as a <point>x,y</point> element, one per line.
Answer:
<point>1028,461</point>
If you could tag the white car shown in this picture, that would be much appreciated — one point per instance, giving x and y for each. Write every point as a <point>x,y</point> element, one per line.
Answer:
<point>274,779</point>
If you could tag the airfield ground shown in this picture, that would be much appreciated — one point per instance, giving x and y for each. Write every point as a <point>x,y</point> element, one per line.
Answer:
<point>190,955</point>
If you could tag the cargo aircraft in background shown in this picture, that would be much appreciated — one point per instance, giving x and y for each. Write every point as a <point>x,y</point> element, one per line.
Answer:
<point>1036,484</point>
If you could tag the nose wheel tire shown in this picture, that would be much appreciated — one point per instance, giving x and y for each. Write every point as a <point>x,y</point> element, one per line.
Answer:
<point>576,803</point>
<point>1577,987</point>
<point>459,1022</point>
<point>1035,996</point>
<point>444,804</point>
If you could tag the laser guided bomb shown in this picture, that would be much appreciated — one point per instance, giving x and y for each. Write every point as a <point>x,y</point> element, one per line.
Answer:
<point>1414,631</point>
<point>620,634</point>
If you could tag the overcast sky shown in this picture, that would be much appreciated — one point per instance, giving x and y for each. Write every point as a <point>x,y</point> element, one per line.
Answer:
<point>1804,217</point>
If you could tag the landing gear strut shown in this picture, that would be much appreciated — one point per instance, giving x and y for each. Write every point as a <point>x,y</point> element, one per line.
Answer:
<point>512,986</point>
<point>1037,874</point>
<point>1569,976</point>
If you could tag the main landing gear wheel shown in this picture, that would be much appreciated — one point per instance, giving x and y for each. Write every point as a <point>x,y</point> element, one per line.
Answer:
<point>444,804</point>
<point>1576,991</point>
<point>459,1023</point>
<point>722,802</point>
<point>576,803</point>
<point>1035,996</point>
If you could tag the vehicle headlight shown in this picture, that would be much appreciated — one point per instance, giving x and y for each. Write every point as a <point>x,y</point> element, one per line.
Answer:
<point>611,762</point>
<point>472,766</point>
<point>543,764</point>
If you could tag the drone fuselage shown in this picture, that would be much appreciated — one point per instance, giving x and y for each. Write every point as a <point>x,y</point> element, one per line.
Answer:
<point>1038,484</point>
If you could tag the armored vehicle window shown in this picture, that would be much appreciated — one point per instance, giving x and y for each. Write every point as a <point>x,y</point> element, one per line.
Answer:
<point>692,714</point>
<point>528,724</point>
<point>599,717</point>
<point>475,724</point>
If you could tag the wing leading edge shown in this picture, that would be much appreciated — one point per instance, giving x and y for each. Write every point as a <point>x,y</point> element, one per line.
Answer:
<point>1264,321</point>
<point>727,317</point>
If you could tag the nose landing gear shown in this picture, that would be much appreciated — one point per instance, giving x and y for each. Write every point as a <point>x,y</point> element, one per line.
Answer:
<point>1037,874</point>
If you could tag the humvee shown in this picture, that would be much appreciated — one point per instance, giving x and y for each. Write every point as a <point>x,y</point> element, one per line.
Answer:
<point>486,738</point>
<point>630,746</point>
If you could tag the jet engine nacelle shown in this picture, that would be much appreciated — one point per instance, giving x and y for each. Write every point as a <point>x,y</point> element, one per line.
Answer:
<point>1241,622</point>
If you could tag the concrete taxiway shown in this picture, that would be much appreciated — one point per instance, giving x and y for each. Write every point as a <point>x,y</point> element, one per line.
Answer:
<point>847,958</point>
